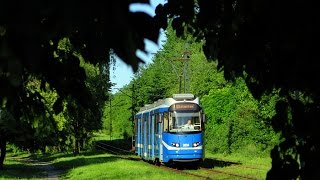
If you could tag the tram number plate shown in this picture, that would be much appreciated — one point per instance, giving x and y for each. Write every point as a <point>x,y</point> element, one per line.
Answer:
<point>185,145</point>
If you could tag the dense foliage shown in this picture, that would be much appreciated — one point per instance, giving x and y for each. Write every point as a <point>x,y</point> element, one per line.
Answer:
<point>236,122</point>
<point>44,129</point>
<point>30,33</point>
<point>269,43</point>
<point>272,45</point>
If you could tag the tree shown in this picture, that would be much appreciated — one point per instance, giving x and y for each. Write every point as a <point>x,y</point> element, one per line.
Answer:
<point>29,36</point>
<point>272,42</point>
<point>272,45</point>
<point>236,121</point>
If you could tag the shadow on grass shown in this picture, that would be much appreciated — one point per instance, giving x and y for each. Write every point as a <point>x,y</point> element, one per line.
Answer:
<point>208,163</point>
<point>65,166</point>
<point>125,144</point>
<point>211,163</point>
<point>52,157</point>
<point>34,166</point>
<point>21,171</point>
<point>82,161</point>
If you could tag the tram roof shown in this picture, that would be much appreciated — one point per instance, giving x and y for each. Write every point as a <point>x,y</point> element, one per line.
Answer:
<point>167,102</point>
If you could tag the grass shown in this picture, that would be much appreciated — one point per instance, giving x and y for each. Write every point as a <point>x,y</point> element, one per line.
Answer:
<point>18,167</point>
<point>256,167</point>
<point>110,167</point>
<point>98,136</point>
<point>99,165</point>
<point>259,162</point>
<point>94,165</point>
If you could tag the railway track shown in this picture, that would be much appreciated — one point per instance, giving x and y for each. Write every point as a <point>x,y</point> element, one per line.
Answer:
<point>198,176</point>
<point>113,149</point>
<point>209,172</point>
<point>125,154</point>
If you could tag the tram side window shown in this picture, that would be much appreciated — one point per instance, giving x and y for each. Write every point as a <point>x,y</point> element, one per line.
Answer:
<point>146,119</point>
<point>142,124</point>
<point>170,121</point>
<point>156,123</point>
<point>165,122</point>
<point>196,120</point>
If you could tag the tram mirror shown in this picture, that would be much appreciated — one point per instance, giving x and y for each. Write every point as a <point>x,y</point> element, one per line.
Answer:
<point>203,118</point>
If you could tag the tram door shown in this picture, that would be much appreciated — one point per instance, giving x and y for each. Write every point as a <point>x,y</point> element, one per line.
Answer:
<point>139,145</point>
<point>148,136</point>
<point>144,130</point>
<point>152,136</point>
<point>156,136</point>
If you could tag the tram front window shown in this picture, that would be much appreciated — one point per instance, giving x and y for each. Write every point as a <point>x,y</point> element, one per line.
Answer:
<point>185,122</point>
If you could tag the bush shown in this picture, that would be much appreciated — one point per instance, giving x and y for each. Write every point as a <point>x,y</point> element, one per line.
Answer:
<point>235,122</point>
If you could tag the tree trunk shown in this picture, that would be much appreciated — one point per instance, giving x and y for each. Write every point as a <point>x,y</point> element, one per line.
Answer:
<point>3,151</point>
<point>81,144</point>
<point>230,133</point>
<point>76,147</point>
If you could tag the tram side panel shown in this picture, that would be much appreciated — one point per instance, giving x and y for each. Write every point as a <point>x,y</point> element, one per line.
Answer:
<point>142,136</point>
<point>152,136</point>
<point>148,136</point>
<point>164,130</point>
<point>160,130</point>
<point>145,136</point>
<point>157,137</point>
<point>138,136</point>
<point>147,120</point>
<point>156,131</point>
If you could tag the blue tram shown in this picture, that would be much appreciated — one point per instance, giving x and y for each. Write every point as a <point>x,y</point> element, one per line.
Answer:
<point>170,130</point>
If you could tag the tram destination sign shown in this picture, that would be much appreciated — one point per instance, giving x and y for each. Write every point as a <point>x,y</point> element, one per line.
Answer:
<point>184,107</point>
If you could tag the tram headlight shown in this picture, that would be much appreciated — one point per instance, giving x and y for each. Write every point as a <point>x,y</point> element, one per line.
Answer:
<point>196,144</point>
<point>175,144</point>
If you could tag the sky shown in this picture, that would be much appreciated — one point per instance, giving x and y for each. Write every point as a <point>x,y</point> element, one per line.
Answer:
<point>123,73</point>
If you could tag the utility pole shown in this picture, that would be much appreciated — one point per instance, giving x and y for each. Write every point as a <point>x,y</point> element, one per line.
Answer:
<point>110,121</point>
<point>132,96</point>
<point>132,122</point>
<point>132,102</point>
<point>184,74</point>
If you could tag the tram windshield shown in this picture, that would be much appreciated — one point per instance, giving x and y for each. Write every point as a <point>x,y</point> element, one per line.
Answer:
<point>185,122</point>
